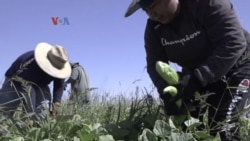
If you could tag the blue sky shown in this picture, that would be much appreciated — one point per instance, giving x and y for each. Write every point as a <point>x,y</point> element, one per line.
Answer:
<point>95,33</point>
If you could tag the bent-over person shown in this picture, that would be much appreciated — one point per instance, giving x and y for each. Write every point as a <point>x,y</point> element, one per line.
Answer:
<point>79,83</point>
<point>27,80</point>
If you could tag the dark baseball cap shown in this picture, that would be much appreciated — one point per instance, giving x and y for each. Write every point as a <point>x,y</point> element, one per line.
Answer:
<point>137,4</point>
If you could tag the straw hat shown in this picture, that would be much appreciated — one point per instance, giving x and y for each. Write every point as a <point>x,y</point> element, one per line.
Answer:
<point>53,60</point>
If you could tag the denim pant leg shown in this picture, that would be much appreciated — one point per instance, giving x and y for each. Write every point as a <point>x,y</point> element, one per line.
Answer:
<point>9,98</point>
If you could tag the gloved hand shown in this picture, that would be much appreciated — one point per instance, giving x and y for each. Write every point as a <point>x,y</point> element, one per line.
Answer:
<point>187,87</point>
<point>183,91</point>
<point>56,107</point>
<point>178,90</point>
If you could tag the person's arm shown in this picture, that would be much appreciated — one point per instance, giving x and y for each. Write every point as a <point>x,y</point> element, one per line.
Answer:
<point>58,90</point>
<point>226,36</point>
<point>57,96</point>
<point>154,52</point>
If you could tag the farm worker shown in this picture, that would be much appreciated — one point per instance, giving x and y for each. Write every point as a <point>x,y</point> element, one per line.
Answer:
<point>79,83</point>
<point>28,78</point>
<point>205,38</point>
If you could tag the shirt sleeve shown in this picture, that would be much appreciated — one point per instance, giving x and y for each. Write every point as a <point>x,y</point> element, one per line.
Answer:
<point>15,66</point>
<point>226,36</point>
<point>154,52</point>
<point>58,90</point>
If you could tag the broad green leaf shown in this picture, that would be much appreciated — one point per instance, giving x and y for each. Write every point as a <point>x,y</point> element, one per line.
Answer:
<point>96,128</point>
<point>171,124</point>
<point>116,132</point>
<point>85,136</point>
<point>192,123</point>
<point>72,130</point>
<point>147,135</point>
<point>87,127</point>
<point>76,139</point>
<point>18,139</point>
<point>162,129</point>
<point>106,138</point>
<point>202,135</point>
<point>178,120</point>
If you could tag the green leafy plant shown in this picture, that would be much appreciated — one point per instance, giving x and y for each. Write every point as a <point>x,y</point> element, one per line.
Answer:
<point>136,118</point>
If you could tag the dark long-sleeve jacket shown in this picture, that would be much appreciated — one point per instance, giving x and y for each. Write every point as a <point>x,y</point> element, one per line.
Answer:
<point>206,37</point>
<point>34,74</point>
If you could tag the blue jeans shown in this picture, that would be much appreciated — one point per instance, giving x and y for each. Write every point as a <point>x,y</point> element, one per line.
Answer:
<point>13,93</point>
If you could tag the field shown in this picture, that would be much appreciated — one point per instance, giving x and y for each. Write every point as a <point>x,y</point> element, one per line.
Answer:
<point>134,116</point>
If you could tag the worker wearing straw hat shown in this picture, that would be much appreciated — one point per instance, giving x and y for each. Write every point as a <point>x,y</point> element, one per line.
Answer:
<point>28,78</point>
